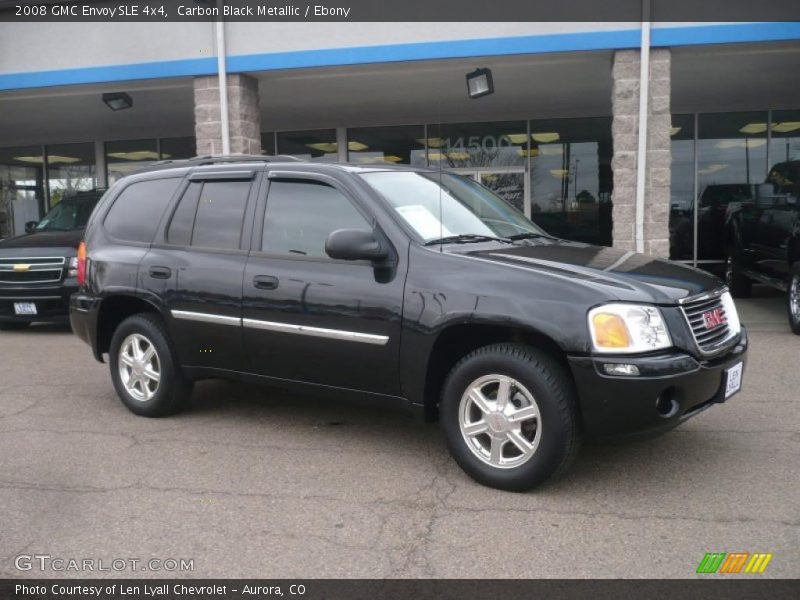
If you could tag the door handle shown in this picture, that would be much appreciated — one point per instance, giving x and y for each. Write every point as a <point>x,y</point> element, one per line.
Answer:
<point>265,282</point>
<point>160,272</point>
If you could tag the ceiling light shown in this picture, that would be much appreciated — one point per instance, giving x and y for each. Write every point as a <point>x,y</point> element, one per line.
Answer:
<point>326,147</point>
<point>479,83</point>
<point>754,128</point>
<point>136,155</point>
<point>392,159</point>
<point>432,142</point>
<point>52,159</point>
<point>356,146</point>
<point>545,138</point>
<point>517,138</point>
<point>712,169</point>
<point>118,100</point>
<point>554,150</point>
<point>559,173</point>
<point>675,130</point>
<point>532,153</point>
<point>786,127</point>
<point>740,143</point>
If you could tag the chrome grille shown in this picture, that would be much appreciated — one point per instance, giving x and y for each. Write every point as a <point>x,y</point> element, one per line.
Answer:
<point>710,337</point>
<point>38,269</point>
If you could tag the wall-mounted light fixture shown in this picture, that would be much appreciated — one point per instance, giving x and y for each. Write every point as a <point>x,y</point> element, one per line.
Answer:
<point>117,100</point>
<point>479,83</point>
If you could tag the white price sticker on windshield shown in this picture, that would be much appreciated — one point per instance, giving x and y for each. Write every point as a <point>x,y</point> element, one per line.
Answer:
<point>423,221</point>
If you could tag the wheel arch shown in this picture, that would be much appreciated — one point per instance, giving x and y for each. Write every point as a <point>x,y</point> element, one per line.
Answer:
<point>115,309</point>
<point>459,339</point>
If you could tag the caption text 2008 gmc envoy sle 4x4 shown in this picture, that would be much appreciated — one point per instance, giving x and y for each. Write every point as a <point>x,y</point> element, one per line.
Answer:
<point>398,285</point>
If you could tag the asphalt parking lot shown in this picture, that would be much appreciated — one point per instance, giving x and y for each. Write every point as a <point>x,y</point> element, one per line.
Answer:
<point>252,482</point>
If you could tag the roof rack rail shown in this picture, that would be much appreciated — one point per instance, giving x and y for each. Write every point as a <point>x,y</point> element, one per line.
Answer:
<point>215,159</point>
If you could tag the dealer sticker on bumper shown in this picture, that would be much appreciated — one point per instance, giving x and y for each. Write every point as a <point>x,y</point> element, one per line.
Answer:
<point>733,380</point>
<point>24,308</point>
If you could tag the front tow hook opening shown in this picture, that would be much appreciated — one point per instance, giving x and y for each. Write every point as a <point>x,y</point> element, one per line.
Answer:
<point>667,403</point>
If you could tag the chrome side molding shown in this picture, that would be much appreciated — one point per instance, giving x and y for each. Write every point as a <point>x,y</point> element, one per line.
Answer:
<point>333,334</point>
<point>188,315</point>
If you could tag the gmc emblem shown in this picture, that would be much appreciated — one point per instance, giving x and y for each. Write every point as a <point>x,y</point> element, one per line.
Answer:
<point>713,318</point>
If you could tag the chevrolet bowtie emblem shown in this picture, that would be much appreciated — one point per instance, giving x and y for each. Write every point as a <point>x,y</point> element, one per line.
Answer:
<point>20,268</point>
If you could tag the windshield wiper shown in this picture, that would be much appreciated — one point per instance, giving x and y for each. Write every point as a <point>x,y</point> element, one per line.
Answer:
<point>466,238</point>
<point>525,236</point>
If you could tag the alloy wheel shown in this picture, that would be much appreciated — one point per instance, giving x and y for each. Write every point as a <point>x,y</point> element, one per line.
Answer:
<point>500,421</point>
<point>794,298</point>
<point>139,367</point>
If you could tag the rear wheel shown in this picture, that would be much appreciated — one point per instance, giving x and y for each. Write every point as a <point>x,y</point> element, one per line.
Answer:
<point>14,325</point>
<point>510,417</point>
<point>739,285</point>
<point>145,373</point>
<point>793,299</point>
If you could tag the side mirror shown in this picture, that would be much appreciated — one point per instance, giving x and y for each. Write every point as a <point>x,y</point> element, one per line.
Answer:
<point>30,226</point>
<point>355,244</point>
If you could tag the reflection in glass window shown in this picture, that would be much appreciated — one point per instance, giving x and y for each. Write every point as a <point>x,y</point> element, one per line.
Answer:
<point>732,159</point>
<point>316,145</point>
<point>21,188</point>
<point>784,152</point>
<point>571,179</point>
<point>70,169</point>
<point>404,144</point>
<point>268,143</point>
<point>681,215</point>
<point>464,145</point>
<point>125,157</point>
<point>178,148</point>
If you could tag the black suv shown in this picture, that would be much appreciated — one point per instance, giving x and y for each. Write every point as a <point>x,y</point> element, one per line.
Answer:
<point>39,269</point>
<point>402,286</point>
<point>763,238</point>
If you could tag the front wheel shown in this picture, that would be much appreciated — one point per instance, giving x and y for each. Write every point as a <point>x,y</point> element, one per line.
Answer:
<point>793,298</point>
<point>509,413</point>
<point>143,368</point>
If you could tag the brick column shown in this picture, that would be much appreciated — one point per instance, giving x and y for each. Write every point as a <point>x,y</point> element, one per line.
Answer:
<point>625,132</point>
<point>244,116</point>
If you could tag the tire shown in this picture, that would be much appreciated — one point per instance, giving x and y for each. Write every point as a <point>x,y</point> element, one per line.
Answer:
<point>147,397</point>
<point>14,325</point>
<point>537,384</point>
<point>739,285</point>
<point>793,299</point>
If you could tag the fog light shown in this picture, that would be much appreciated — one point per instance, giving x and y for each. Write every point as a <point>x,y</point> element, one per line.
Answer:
<point>621,369</point>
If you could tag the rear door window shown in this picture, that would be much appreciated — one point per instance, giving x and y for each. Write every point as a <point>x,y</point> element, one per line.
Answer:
<point>137,211</point>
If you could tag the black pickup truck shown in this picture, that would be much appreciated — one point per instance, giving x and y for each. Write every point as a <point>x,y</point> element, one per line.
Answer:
<point>764,239</point>
<point>399,286</point>
<point>39,269</point>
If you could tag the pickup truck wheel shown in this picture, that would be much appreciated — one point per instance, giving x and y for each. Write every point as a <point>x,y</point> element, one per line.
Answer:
<point>793,298</point>
<point>509,414</point>
<point>143,368</point>
<point>739,285</point>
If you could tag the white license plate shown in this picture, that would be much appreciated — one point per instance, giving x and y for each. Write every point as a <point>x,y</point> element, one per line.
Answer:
<point>733,380</point>
<point>24,308</point>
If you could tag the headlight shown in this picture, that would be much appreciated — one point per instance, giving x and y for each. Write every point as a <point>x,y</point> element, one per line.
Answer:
<point>73,267</point>
<point>627,329</point>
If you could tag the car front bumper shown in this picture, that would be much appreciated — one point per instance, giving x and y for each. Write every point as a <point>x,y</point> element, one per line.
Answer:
<point>670,389</point>
<point>52,302</point>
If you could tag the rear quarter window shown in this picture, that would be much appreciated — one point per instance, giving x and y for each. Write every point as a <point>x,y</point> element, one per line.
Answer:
<point>137,211</point>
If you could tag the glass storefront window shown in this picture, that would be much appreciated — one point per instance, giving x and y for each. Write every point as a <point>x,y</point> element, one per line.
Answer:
<point>470,145</point>
<point>403,144</point>
<point>126,156</point>
<point>178,148</point>
<point>571,179</point>
<point>731,161</point>
<point>21,188</point>
<point>785,144</point>
<point>70,168</point>
<point>317,145</point>
<point>681,214</point>
<point>268,143</point>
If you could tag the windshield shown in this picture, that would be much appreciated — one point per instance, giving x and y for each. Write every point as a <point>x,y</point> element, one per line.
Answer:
<point>69,214</point>
<point>457,207</point>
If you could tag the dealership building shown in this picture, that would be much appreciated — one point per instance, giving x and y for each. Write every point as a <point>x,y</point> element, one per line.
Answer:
<point>565,136</point>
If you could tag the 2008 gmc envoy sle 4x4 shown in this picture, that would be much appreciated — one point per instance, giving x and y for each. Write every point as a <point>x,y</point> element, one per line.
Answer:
<point>399,285</point>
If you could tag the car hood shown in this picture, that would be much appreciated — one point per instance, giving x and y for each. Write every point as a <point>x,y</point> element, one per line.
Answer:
<point>41,243</point>
<point>621,274</point>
